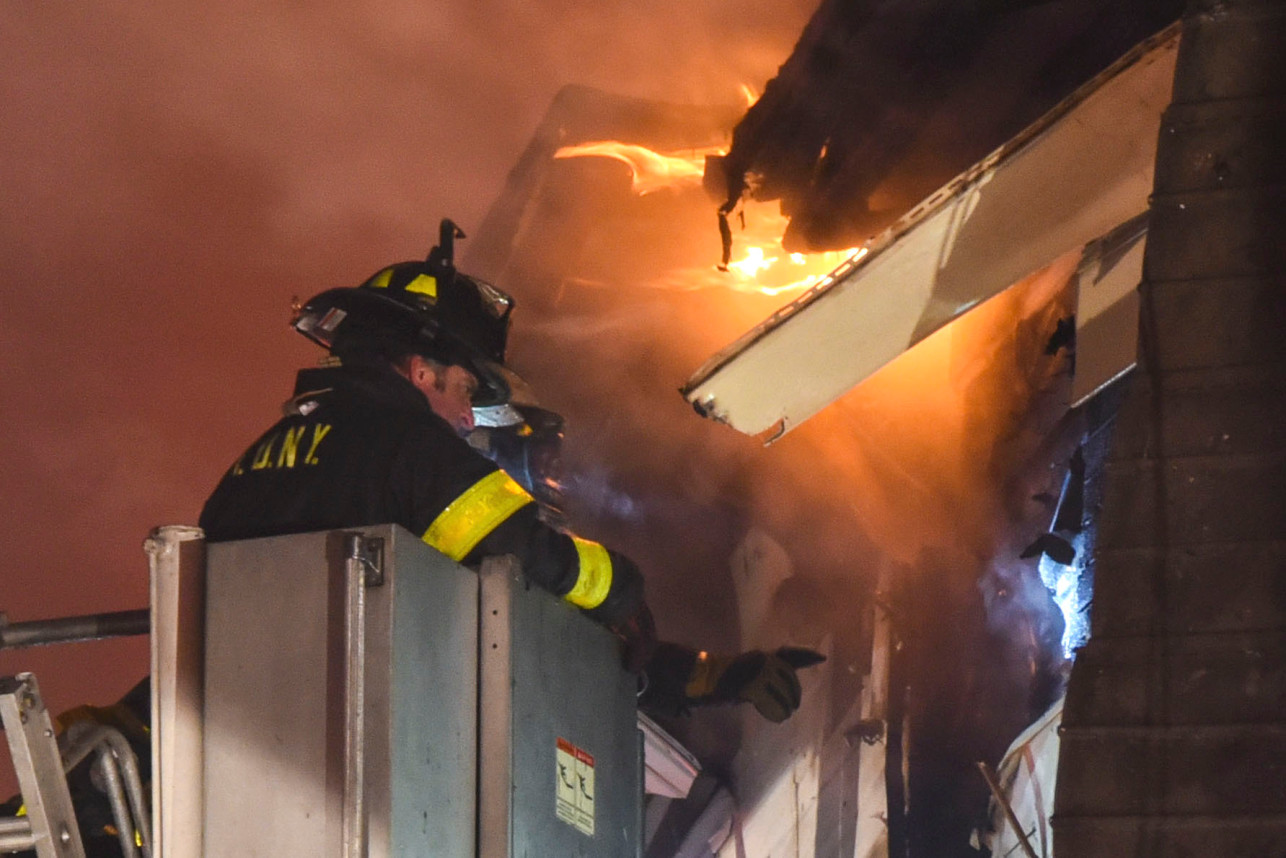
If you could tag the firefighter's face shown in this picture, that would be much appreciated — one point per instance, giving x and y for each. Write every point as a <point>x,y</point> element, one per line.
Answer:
<point>450,391</point>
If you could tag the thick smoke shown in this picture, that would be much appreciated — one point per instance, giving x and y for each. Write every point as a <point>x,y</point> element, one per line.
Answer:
<point>930,470</point>
<point>175,173</point>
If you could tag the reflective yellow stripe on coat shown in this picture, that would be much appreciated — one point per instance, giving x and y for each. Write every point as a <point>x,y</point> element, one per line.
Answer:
<point>595,579</point>
<point>480,509</point>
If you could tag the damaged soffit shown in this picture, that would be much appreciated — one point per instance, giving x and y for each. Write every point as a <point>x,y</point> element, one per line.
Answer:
<point>1069,183</point>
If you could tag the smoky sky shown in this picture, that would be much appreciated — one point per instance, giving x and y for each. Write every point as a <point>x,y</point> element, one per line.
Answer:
<point>172,174</point>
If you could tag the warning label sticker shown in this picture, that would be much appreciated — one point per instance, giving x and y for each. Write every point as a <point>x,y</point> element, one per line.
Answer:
<point>575,784</point>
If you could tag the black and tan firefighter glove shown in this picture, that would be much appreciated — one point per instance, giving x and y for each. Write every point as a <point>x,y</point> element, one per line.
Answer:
<point>766,680</point>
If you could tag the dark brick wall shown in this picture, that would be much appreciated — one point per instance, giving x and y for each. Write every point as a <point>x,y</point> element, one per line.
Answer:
<point>1174,731</point>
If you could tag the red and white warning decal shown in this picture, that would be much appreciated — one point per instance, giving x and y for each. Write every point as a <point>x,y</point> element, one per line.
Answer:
<point>575,786</point>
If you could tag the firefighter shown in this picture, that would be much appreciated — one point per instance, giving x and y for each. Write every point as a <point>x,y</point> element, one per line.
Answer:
<point>376,435</point>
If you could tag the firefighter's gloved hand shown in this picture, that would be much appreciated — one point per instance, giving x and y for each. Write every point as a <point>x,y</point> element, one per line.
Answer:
<point>638,638</point>
<point>766,680</point>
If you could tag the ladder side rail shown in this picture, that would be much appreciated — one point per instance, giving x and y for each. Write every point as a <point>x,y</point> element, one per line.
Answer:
<point>30,733</point>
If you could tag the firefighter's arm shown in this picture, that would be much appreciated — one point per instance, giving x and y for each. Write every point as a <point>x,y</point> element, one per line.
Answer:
<point>605,584</point>
<point>469,509</point>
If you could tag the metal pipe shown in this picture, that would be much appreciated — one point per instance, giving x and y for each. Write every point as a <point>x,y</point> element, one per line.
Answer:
<point>14,825</point>
<point>89,627</point>
<point>116,797</point>
<point>1007,808</point>
<point>80,744</point>
<point>128,762</point>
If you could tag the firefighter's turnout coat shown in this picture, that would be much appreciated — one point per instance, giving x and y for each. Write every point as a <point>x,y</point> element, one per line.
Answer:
<point>359,445</point>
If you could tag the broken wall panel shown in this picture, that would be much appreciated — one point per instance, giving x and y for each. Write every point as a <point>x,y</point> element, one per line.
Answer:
<point>1107,309</point>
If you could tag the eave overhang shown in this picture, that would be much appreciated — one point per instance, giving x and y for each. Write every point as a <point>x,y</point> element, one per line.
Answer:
<point>1076,181</point>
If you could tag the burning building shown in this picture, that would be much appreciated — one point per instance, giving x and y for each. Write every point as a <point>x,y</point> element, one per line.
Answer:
<point>889,529</point>
<point>918,495</point>
<point>894,499</point>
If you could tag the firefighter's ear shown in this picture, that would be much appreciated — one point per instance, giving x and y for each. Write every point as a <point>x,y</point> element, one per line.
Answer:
<point>421,371</point>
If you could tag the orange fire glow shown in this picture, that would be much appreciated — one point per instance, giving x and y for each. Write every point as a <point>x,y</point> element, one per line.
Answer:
<point>759,263</point>
<point>652,170</point>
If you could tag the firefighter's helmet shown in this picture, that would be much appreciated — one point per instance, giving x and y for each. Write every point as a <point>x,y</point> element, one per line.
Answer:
<point>426,308</point>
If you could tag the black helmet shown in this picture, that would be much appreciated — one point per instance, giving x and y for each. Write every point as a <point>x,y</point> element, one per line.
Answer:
<point>426,308</point>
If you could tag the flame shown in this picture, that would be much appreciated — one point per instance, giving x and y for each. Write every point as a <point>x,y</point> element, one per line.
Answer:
<point>754,262</point>
<point>652,170</point>
<point>749,93</point>
<point>759,263</point>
